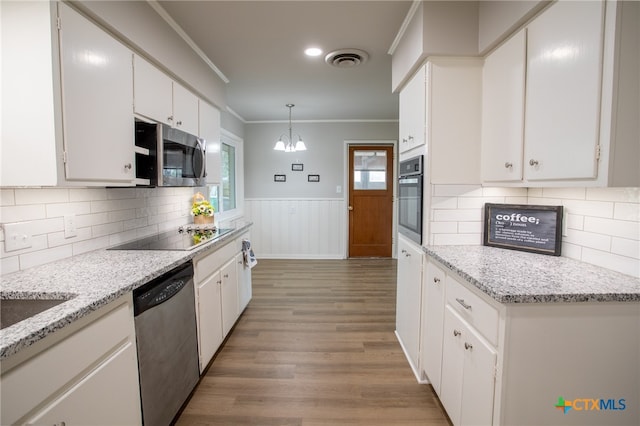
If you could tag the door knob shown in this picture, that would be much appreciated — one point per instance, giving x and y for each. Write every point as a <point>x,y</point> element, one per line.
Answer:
<point>350,207</point>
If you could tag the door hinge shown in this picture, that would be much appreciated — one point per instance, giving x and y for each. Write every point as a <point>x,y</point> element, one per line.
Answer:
<point>64,157</point>
<point>598,152</point>
<point>495,372</point>
<point>58,23</point>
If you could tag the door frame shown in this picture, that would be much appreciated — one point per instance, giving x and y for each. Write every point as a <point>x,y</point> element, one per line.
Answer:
<point>345,184</point>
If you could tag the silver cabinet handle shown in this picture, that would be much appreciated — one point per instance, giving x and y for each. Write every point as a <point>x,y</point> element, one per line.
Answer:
<point>404,140</point>
<point>170,118</point>
<point>128,166</point>
<point>179,123</point>
<point>403,251</point>
<point>468,346</point>
<point>219,281</point>
<point>508,165</point>
<point>533,162</point>
<point>436,280</point>
<point>464,305</point>
<point>226,275</point>
<point>410,137</point>
<point>456,333</point>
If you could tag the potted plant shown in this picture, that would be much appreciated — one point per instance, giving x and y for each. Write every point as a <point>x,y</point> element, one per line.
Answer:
<point>201,210</point>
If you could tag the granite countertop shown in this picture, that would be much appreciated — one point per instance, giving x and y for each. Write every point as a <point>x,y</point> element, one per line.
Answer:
<point>91,281</point>
<point>510,276</point>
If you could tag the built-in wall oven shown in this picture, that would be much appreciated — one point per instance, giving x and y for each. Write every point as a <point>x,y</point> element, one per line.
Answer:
<point>410,198</point>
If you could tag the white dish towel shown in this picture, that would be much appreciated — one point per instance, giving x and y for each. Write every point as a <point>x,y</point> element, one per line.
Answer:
<point>247,254</point>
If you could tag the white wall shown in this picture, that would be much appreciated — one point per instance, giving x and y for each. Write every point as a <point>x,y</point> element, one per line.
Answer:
<point>104,217</point>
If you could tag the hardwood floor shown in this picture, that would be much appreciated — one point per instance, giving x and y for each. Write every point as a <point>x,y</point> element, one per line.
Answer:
<point>316,346</point>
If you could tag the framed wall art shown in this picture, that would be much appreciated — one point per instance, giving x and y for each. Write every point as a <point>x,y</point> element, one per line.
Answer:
<point>313,178</point>
<point>536,229</point>
<point>297,167</point>
<point>279,178</point>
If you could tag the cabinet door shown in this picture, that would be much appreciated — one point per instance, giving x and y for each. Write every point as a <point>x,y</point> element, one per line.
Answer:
<point>432,324</point>
<point>108,395</point>
<point>229,295</point>
<point>564,54</point>
<point>185,109</point>
<point>503,111</point>
<point>244,283</point>
<point>209,302</point>
<point>97,99</point>
<point>152,92</point>
<point>209,130</point>
<point>454,98</point>
<point>412,112</point>
<point>478,383</point>
<point>408,299</point>
<point>452,365</point>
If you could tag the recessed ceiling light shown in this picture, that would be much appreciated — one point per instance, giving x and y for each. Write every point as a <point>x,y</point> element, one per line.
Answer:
<point>313,51</point>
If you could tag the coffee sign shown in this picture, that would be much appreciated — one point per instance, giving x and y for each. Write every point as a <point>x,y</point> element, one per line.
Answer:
<point>535,229</point>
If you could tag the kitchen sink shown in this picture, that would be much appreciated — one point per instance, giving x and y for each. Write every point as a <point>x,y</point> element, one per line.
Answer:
<point>13,311</point>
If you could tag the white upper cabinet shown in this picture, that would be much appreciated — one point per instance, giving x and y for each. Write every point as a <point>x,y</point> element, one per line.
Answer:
<point>573,119</point>
<point>209,130</point>
<point>97,88</point>
<point>412,112</point>
<point>152,92</point>
<point>503,111</point>
<point>564,53</point>
<point>185,109</point>
<point>158,97</point>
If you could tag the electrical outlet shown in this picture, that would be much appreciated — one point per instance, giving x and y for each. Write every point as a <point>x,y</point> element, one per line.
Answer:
<point>70,226</point>
<point>338,189</point>
<point>17,236</point>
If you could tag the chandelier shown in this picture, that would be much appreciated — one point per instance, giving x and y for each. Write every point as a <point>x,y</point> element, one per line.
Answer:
<point>285,143</point>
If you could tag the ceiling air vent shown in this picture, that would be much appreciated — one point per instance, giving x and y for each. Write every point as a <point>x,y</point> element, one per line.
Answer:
<point>346,58</point>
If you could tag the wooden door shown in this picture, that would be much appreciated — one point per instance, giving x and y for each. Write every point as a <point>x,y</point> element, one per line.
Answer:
<point>370,201</point>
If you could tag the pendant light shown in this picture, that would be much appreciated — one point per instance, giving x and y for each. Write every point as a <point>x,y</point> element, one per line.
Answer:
<point>285,143</point>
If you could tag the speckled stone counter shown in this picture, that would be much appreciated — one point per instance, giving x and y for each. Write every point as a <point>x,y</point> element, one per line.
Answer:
<point>510,276</point>
<point>89,281</point>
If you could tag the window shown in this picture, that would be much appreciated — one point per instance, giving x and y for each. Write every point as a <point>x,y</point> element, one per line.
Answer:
<point>227,195</point>
<point>369,170</point>
<point>228,177</point>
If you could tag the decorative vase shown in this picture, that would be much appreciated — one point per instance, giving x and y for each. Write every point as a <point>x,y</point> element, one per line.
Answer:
<point>202,220</point>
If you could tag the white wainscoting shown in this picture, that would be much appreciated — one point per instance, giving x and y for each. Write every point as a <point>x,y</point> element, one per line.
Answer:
<point>297,228</point>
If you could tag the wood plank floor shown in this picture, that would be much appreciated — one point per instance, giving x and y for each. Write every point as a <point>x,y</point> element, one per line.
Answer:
<point>316,346</point>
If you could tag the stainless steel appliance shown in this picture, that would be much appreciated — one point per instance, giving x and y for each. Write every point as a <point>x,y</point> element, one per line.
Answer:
<point>185,238</point>
<point>166,337</point>
<point>410,198</point>
<point>180,156</point>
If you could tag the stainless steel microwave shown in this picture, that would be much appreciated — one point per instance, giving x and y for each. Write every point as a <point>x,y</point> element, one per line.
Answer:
<point>180,157</point>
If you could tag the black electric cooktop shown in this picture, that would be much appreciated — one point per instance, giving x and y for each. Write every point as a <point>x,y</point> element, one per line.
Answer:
<point>185,238</point>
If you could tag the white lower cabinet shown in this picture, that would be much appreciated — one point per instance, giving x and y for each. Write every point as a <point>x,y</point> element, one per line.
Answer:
<point>494,363</point>
<point>86,373</point>
<point>220,284</point>
<point>408,299</point>
<point>468,373</point>
<point>432,324</point>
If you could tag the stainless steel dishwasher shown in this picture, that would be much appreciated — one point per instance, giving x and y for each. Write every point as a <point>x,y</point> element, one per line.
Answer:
<point>165,322</point>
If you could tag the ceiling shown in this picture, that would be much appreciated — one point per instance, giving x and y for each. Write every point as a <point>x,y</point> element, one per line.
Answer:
<point>259,47</point>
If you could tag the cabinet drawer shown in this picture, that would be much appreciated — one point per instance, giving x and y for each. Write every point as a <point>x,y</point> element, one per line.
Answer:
<point>473,309</point>
<point>210,263</point>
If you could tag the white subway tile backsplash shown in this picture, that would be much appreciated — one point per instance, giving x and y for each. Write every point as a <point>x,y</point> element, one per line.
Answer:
<point>627,211</point>
<point>42,257</point>
<point>602,224</point>
<point>623,195</point>
<point>588,239</point>
<point>104,217</point>
<point>623,264</point>
<point>625,247</point>
<point>618,228</point>
<point>564,193</point>
<point>87,194</point>
<point>42,196</point>
<point>61,209</point>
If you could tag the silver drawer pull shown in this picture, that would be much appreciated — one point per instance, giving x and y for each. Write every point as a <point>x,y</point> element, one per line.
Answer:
<point>468,346</point>
<point>464,305</point>
<point>456,333</point>
<point>436,280</point>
